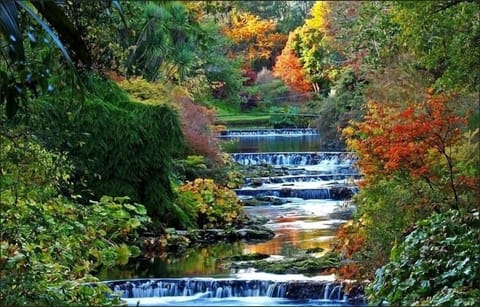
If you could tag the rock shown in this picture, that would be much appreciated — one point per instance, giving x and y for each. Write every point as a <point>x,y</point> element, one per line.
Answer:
<point>255,234</point>
<point>341,192</point>
<point>270,199</point>
<point>303,265</point>
<point>256,183</point>
<point>249,257</point>
<point>314,250</point>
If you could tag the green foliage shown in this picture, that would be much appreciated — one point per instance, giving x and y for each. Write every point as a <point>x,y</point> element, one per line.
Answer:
<point>290,14</point>
<point>375,32</point>
<point>286,117</point>
<point>227,173</point>
<point>30,60</point>
<point>270,93</point>
<point>166,43</point>
<point>147,92</point>
<point>48,244</point>
<point>437,264</point>
<point>444,37</point>
<point>342,105</point>
<point>215,206</point>
<point>223,74</point>
<point>385,211</point>
<point>115,146</point>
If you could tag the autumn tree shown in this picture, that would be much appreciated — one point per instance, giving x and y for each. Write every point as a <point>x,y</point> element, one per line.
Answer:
<point>288,68</point>
<point>416,158</point>
<point>313,46</point>
<point>416,142</point>
<point>255,39</point>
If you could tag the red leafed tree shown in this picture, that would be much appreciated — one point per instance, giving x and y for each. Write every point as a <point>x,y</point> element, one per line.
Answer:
<point>417,142</point>
<point>288,68</point>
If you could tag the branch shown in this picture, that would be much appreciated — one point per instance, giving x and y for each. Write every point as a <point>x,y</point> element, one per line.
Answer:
<point>448,4</point>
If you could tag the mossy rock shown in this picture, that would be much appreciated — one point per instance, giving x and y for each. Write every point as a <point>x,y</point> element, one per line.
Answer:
<point>314,250</point>
<point>304,265</point>
<point>249,257</point>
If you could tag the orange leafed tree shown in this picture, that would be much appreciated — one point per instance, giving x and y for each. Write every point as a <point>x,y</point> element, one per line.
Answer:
<point>417,141</point>
<point>288,68</point>
<point>253,37</point>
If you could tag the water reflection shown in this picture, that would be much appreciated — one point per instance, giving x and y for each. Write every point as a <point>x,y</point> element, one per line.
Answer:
<point>272,144</point>
<point>298,226</point>
<point>201,261</point>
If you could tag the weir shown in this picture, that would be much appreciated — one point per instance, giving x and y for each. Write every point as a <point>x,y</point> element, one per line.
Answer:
<point>301,178</point>
<point>268,132</point>
<point>310,192</point>
<point>338,160</point>
<point>222,288</point>
<point>323,193</point>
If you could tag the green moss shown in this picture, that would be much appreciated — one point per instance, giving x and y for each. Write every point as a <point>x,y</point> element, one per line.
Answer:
<point>303,265</point>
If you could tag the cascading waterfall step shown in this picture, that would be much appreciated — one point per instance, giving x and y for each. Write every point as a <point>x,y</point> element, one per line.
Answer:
<point>334,193</point>
<point>329,160</point>
<point>301,178</point>
<point>268,132</point>
<point>223,288</point>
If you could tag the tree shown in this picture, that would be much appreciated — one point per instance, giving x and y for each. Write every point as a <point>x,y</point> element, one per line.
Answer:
<point>288,68</point>
<point>287,14</point>
<point>255,39</point>
<point>164,47</point>
<point>312,45</point>
<point>444,37</point>
<point>411,143</point>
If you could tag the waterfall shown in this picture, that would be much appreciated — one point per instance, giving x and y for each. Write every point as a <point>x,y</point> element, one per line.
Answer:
<point>302,178</point>
<point>268,132</point>
<point>327,160</point>
<point>224,288</point>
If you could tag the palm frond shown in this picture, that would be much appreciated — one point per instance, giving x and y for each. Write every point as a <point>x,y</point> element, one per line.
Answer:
<point>47,29</point>
<point>10,28</point>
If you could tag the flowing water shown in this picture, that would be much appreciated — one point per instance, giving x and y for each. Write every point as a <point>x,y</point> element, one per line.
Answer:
<point>306,207</point>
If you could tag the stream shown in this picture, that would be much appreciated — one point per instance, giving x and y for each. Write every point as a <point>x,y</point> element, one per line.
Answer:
<point>304,202</point>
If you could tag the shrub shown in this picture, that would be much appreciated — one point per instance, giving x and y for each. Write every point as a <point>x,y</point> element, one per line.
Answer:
<point>118,147</point>
<point>196,120</point>
<point>49,245</point>
<point>264,76</point>
<point>437,264</point>
<point>215,206</point>
<point>197,125</point>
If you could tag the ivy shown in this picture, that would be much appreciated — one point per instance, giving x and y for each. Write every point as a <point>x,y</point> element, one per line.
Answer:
<point>438,263</point>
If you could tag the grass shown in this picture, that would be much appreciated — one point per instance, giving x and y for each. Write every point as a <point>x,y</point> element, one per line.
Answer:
<point>251,120</point>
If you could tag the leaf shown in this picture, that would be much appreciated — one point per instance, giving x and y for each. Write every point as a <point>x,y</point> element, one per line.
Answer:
<point>12,103</point>
<point>47,29</point>
<point>10,28</point>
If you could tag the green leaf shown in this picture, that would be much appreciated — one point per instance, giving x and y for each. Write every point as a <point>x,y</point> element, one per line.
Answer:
<point>12,105</point>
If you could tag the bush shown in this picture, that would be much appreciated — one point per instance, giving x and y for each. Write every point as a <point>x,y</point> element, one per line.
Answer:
<point>215,206</point>
<point>196,120</point>
<point>437,264</point>
<point>117,146</point>
<point>49,245</point>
